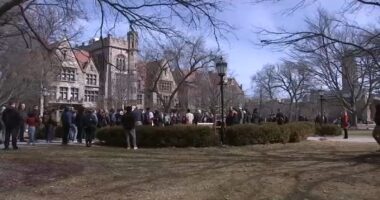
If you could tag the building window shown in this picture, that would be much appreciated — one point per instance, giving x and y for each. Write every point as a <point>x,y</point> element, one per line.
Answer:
<point>120,63</point>
<point>100,60</point>
<point>53,93</point>
<point>139,84</point>
<point>68,74</point>
<point>91,79</point>
<point>165,86</point>
<point>90,96</point>
<point>74,94</point>
<point>166,99</point>
<point>140,99</point>
<point>64,53</point>
<point>63,93</point>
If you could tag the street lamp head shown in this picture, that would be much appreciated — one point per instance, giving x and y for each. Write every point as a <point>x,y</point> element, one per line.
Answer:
<point>45,92</point>
<point>221,66</point>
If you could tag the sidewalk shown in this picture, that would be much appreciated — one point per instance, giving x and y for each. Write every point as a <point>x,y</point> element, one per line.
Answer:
<point>358,139</point>
<point>42,143</point>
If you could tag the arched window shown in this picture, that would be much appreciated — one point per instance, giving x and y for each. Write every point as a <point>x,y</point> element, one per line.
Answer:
<point>120,62</point>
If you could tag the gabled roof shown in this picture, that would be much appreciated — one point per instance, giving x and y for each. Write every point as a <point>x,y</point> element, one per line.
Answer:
<point>83,58</point>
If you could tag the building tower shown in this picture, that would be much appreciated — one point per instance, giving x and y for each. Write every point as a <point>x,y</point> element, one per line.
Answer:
<point>132,39</point>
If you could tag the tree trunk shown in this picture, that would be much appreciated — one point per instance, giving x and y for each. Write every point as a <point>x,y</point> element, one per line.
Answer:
<point>354,118</point>
<point>291,111</point>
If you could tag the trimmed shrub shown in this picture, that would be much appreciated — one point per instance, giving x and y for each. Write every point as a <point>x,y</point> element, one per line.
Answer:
<point>298,131</point>
<point>243,135</point>
<point>268,133</point>
<point>173,136</point>
<point>328,130</point>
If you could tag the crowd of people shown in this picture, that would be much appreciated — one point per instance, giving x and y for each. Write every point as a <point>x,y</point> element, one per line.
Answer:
<point>243,116</point>
<point>80,124</point>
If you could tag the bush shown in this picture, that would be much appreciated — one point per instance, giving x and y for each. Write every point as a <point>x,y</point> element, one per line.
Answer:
<point>268,133</point>
<point>298,131</point>
<point>328,130</point>
<point>173,136</point>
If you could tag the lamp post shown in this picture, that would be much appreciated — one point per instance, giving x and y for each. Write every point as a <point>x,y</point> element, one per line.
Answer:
<point>44,94</point>
<point>321,99</point>
<point>221,68</point>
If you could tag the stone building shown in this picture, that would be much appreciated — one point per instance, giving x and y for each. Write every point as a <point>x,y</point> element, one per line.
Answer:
<point>77,80</point>
<point>115,59</point>
<point>156,74</point>
<point>201,91</point>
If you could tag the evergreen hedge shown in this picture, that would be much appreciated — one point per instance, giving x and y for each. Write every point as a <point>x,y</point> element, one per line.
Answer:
<point>328,130</point>
<point>268,133</point>
<point>172,136</point>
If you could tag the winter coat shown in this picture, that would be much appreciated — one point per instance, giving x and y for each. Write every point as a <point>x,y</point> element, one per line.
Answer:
<point>12,118</point>
<point>67,118</point>
<point>90,121</point>
<point>128,121</point>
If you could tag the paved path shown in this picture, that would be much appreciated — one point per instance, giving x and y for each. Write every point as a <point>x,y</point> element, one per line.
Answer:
<point>41,143</point>
<point>358,139</point>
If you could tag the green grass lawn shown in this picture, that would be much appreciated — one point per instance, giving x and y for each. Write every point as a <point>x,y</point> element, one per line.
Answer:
<point>307,170</point>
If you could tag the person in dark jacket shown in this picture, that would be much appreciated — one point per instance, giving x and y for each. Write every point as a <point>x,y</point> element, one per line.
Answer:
<point>66,120</point>
<point>90,123</point>
<point>12,121</point>
<point>50,123</point>
<point>79,123</point>
<point>24,115</point>
<point>280,118</point>
<point>376,131</point>
<point>138,116</point>
<point>128,122</point>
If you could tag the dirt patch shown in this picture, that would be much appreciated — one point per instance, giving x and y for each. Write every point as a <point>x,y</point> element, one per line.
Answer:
<point>16,172</point>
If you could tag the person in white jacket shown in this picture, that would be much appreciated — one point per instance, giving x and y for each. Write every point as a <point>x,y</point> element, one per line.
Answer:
<point>189,117</point>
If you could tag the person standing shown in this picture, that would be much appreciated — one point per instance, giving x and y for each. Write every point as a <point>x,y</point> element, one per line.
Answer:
<point>197,117</point>
<point>79,123</point>
<point>255,116</point>
<point>32,121</point>
<point>12,121</point>
<point>280,118</point>
<point>128,122</point>
<point>112,117</point>
<point>90,123</point>
<point>73,127</point>
<point>66,120</point>
<point>137,114</point>
<point>189,117</point>
<point>376,131</point>
<point>2,126</point>
<point>50,123</point>
<point>344,122</point>
<point>148,117</point>
<point>24,115</point>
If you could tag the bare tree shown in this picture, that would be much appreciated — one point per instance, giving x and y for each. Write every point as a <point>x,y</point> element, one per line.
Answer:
<point>154,16</point>
<point>264,81</point>
<point>184,58</point>
<point>24,71</point>
<point>293,79</point>
<point>348,72</point>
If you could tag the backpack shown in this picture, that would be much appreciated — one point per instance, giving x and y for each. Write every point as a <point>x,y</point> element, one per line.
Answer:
<point>91,120</point>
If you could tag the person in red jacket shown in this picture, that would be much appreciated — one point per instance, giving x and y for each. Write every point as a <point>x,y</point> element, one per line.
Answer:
<point>344,122</point>
<point>32,121</point>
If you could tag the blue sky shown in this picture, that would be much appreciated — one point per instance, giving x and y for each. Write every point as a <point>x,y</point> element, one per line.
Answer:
<point>243,57</point>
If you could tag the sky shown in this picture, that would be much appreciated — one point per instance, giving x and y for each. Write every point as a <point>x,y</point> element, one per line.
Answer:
<point>243,56</point>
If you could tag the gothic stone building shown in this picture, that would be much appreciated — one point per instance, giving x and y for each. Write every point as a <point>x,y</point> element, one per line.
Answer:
<point>115,59</point>
<point>77,80</point>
